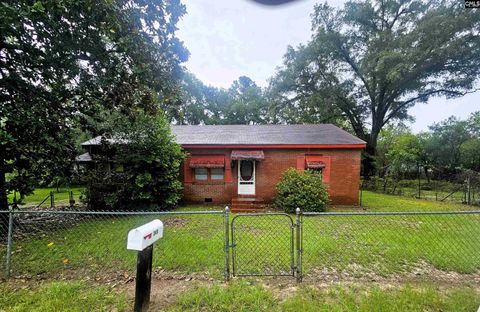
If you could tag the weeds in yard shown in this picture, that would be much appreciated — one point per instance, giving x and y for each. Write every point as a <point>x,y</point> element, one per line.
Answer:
<point>244,296</point>
<point>62,296</point>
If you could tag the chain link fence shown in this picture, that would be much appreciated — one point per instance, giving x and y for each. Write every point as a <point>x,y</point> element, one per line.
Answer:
<point>86,244</point>
<point>457,187</point>
<point>363,244</point>
<point>53,244</point>
<point>263,244</point>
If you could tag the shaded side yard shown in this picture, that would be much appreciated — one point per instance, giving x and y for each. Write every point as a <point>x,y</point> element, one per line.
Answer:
<point>61,196</point>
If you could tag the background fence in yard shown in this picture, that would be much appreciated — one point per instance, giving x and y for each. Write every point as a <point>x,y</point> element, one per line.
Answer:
<point>56,244</point>
<point>461,187</point>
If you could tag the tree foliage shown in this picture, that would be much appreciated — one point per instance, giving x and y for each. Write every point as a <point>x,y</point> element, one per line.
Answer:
<point>447,147</point>
<point>372,60</point>
<point>243,103</point>
<point>61,62</point>
<point>138,167</point>
<point>451,143</point>
<point>399,152</point>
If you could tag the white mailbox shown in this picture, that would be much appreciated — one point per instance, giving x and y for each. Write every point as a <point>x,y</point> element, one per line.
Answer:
<point>145,235</point>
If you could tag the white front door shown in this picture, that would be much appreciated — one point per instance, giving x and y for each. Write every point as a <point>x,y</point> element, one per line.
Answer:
<point>246,177</point>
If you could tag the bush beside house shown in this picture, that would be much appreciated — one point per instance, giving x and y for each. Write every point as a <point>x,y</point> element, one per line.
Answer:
<point>303,189</point>
<point>139,169</point>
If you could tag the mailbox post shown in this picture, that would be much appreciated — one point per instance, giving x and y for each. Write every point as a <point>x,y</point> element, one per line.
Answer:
<point>141,239</point>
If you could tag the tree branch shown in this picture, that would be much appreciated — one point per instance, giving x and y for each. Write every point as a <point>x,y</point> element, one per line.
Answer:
<point>424,96</point>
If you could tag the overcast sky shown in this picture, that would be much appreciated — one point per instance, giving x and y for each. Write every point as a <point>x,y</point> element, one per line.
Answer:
<point>231,38</point>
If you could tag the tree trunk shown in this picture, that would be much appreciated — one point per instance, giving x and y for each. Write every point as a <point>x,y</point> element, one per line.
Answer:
<point>368,155</point>
<point>368,159</point>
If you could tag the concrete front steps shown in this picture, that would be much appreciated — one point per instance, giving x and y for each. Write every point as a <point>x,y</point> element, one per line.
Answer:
<point>247,204</point>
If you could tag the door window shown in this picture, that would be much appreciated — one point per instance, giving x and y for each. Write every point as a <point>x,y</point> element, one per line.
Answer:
<point>246,170</point>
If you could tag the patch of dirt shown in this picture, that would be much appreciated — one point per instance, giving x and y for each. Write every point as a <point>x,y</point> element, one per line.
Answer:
<point>422,273</point>
<point>167,285</point>
<point>164,292</point>
<point>248,229</point>
<point>175,222</point>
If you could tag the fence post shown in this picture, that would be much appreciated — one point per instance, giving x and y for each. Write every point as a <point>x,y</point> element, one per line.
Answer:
<point>299,245</point>
<point>9,241</point>
<point>468,191</point>
<point>226,270</point>
<point>419,183</point>
<point>361,194</point>
<point>71,201</point>
<point>52,200</point>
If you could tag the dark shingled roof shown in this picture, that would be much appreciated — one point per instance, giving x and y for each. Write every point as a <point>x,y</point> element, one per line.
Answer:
<point>323,134</point>
<point>263,135</point>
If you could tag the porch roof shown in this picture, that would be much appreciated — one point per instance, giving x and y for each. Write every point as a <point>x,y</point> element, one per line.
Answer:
<point>246,154</point>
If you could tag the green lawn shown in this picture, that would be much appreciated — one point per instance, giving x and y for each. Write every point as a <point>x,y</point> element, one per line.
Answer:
<point>191,243</point>
<point>242,296</point>
<point>432,190</point>
<point>61,296</point>
<point>381,202</point>
<point>355,245</point>
<point>245,296</point>
<point>61,196</point>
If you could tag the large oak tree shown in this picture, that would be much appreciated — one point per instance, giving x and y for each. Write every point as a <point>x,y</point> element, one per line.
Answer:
<point>372,60</point>
<point>61,62</point>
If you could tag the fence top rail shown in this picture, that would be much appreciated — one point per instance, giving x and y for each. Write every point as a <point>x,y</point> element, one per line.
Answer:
<point>239,215</point>
<point>120,213</point>
<point>394,213</point>
<point>256,214</point>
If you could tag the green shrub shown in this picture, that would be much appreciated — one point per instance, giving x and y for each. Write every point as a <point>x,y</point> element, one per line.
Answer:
<point>301,189</point>
<point>140,169</point>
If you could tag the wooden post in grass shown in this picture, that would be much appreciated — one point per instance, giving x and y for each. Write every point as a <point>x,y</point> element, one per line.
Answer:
<point>143,283</point>
<point>141,239</point>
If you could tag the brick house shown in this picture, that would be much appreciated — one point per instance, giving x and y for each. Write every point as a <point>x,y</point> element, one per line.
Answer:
<point>241,164</point>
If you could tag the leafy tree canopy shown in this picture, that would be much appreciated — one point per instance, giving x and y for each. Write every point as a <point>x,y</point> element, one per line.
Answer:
<point>61,62</point>
<point>243,103</point>
<point>372,60</point>
<point>447,147</point>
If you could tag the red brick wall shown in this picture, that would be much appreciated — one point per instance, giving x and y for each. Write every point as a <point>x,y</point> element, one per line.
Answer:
<point>343,184</point>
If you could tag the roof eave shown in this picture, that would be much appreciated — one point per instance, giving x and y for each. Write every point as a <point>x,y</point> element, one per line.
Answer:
<point>270,146</point>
